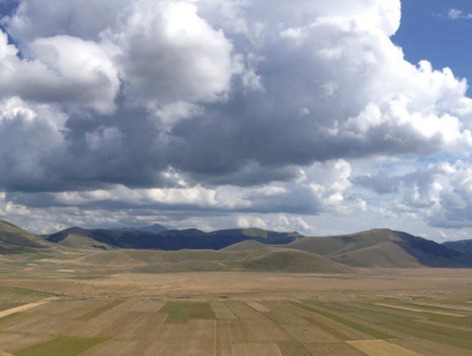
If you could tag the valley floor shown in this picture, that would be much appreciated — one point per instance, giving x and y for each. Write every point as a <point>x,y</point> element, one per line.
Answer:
<point>67,311</point>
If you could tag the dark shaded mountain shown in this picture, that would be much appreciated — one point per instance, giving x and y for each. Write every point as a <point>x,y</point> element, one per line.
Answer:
<point>14,239</point>
<point>464,246</point>
<point>384,248</point>
<point>167,239</point>
<point>155,228</point>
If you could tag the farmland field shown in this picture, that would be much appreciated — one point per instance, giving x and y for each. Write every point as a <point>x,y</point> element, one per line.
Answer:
<point>60,309</point>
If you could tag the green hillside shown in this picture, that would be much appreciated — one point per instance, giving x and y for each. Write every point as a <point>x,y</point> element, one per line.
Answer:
<point>260,258</point>
<point>383,248</point>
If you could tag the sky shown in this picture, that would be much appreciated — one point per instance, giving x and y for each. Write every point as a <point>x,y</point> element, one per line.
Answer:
<point>315,116</point>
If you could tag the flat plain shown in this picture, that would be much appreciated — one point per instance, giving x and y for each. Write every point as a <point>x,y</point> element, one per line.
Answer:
<point>67,305</point>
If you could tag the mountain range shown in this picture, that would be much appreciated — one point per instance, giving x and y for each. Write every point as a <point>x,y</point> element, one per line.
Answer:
<point>461,245</point>
<point>244,249</point>
<point>169,240</point>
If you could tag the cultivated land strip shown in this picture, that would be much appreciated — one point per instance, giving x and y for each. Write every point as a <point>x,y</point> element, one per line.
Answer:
<point>381,348</point>
<point>418,310</point>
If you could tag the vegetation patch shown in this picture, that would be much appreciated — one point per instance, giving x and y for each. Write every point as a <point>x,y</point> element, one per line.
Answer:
<point>417,310</point>
<point>359,327</point>
<point>181,312</point>
<point>62,346</point>
<point>15,291</point>
<point>39,256</point>
<point>424,332</point>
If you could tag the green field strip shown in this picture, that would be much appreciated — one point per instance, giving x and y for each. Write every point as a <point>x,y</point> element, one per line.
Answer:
<point>7,292</point>
<point>422,315</point>
<point>407,329</point>
<point>97,311</point>
<point>367,313</point>
<point>181,312</point>
<point>465,326</point>
<point>61,346</point>
<point>464,321</point>
<point>444,331</point>
<point>435,307</point>
<point>40,256</point>
<point>423,311</point>
<point>381,316</point>
<point>329,329</point>
<point>358,324</point>
<point>353,325</point>
<point>372,318</point>
<point>460,322</point>
<point>389,316</point>
<point>285,313</point>
<point>334,331</point>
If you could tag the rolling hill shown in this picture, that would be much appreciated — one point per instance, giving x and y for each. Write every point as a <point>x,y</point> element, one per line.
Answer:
<point>384,248</point>
<point>243,249</point>
<point>261,258</point>
<point>14,239</point>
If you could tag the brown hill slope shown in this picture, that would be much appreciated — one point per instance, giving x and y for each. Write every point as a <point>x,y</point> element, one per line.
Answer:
<point>14,239</point>
<point>279,259</point>
<point>383,248</point>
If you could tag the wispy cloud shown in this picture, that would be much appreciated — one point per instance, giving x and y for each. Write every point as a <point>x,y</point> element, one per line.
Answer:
<point>456,14</point>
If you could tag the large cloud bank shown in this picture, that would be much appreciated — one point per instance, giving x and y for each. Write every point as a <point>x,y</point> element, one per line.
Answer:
<point>206,108</point>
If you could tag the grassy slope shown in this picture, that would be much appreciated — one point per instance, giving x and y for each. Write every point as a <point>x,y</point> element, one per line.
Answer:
<point>287,260</point>
<point>259,257</point>
<point>78,241</point>
<point>13,239</point>
<point>383,248</point>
